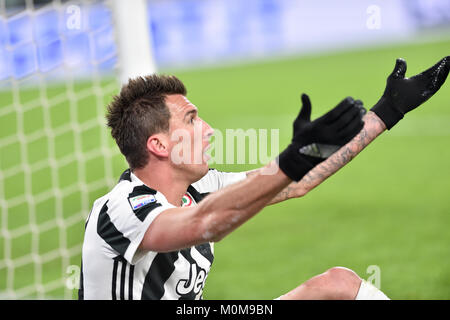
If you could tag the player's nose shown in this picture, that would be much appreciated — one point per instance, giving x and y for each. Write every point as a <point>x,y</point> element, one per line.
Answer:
<point>207,130</point>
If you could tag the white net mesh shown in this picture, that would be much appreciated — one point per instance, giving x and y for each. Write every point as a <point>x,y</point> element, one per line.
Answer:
<point>57,62</point>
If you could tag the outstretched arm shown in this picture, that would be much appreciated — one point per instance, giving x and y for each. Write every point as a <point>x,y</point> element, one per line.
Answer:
<point>373,127</point>
<point>401,96</point>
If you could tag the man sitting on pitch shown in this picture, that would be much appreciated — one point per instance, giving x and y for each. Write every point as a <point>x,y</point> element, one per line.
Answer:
<point>141,243</point>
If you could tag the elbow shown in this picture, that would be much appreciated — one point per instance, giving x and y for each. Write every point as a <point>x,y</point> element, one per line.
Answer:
<point>212,236</point>
<point>216,225</point>
<point>211,231</point>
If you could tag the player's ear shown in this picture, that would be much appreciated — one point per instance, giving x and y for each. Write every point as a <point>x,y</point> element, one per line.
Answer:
<point>158,145</point>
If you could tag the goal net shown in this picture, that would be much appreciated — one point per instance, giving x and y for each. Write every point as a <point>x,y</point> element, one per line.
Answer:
<point>60,62</point>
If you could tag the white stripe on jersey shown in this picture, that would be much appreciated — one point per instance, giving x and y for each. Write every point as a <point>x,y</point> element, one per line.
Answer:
<point>112,265</point>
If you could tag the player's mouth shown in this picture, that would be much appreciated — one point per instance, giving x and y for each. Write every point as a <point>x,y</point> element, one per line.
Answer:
<point>206,156</point>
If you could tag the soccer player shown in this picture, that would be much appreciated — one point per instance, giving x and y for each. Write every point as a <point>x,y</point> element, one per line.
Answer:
<point>152,235</point>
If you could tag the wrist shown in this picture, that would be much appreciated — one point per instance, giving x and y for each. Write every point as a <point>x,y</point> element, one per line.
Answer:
<point>387,112</point>
<point>293,164</point>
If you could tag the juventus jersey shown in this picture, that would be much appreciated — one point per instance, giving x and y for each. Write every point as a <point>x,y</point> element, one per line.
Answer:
<point>112,265</point>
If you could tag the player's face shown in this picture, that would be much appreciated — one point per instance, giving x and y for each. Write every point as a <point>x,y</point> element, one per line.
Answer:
<point>189,136</point>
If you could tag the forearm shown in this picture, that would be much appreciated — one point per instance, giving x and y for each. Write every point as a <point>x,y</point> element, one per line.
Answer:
<point>224,211</point>
<point>373,127</point>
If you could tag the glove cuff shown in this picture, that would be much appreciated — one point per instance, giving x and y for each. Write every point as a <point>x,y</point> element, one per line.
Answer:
<point>387,113</point>
<point>293,164</point>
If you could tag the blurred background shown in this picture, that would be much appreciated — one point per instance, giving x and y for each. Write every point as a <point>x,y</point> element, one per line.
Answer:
<point>245,64</point>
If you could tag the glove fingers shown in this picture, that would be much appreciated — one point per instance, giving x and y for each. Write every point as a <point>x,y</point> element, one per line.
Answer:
<point>351,130</point>
<point>359,104</point>
<point>337,111</point>
<point>305,112</point>
<point>441,65</point>
<point>433,78</point>
<point>399,69</point>
<point>440,75</point>
<point>356,111</point>
<point>345,119</point>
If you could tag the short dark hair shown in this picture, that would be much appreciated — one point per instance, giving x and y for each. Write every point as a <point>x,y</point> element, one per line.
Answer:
<point>138,112</point>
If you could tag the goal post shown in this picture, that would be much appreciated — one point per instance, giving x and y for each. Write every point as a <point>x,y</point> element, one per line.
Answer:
<point>60,64</point>
<point>134,45</point>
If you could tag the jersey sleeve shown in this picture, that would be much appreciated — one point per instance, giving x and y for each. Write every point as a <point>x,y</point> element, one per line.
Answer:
<point>215,180</point>
<point>123,220</point>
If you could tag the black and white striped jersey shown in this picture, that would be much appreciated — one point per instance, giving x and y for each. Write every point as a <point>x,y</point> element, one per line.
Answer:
<point>112,265</point>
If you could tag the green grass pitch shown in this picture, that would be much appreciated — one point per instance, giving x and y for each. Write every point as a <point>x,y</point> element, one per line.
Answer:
<point>389,207</point>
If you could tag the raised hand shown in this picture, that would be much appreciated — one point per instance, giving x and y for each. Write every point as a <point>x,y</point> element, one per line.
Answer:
<point>314,141</point>
<point>405,94</point>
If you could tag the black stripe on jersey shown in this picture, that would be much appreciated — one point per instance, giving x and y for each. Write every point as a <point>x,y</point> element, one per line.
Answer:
<point>140,190</point>
<point>130,282</point>
<point>122,280</point>
<point>114,279</point>
<point>142,212</point>
<point>108,232</point>
<point>205,250</point>
<point>126,175</point>
<point>196,195</point>
<point>160,270</point>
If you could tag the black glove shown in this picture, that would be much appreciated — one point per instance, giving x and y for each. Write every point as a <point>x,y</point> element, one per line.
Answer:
<point>405,94</point>
<point>314,141</point>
